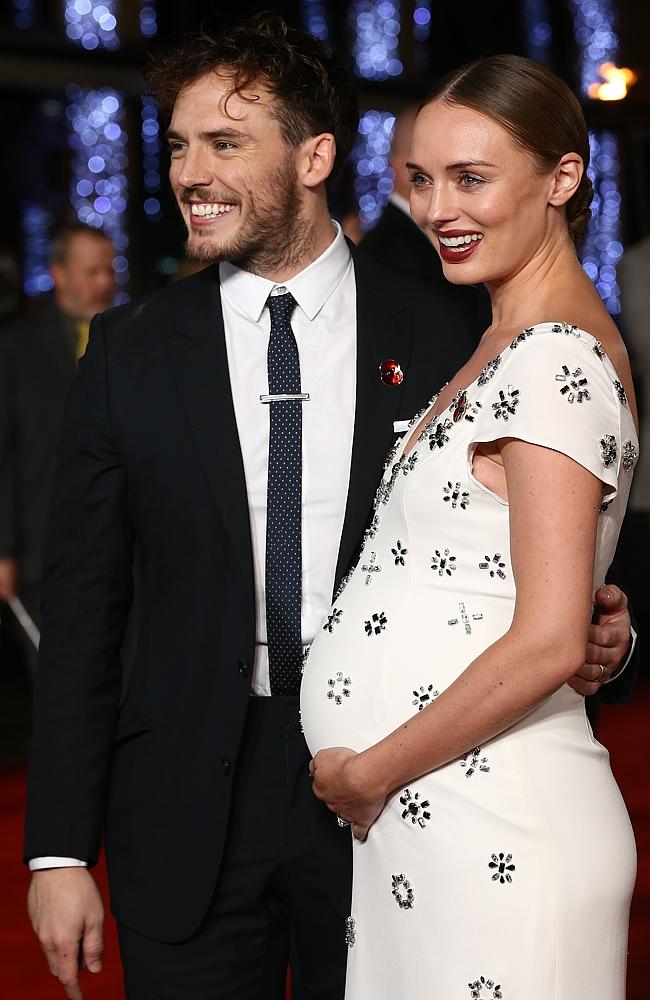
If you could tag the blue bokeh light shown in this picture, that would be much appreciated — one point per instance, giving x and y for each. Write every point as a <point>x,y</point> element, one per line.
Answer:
<point>374,177</point>
<point>148,18</point>
<point>315,18</point>
<point>98,142</point>
<point>538,34</point>
<point>150,133</point>
<point>91,25</point>
<point>24,13</point>
<point>376,29</point>
<point>36,224</point>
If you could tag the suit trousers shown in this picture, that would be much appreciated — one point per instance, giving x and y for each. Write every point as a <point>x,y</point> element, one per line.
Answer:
<point>283,891</point>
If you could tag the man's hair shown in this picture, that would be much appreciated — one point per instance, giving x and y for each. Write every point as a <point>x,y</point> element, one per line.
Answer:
<point>313,92</point>
<point>63,235</point>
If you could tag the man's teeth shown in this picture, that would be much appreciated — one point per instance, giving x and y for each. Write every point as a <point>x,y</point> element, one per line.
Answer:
<point>460,241</point>
<point>216,208</point>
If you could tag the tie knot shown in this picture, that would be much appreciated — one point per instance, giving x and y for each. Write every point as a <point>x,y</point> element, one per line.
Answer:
<point>281,306</point>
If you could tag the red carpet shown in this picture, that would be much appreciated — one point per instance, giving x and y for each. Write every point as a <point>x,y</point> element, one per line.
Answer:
<point>23,972</point>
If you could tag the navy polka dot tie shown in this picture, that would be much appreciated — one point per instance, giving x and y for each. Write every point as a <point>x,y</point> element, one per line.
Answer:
<point>284,503</point>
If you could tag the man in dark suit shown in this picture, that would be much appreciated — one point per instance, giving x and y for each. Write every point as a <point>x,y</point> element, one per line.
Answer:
<point>227,433</point>
<point>38,360</point>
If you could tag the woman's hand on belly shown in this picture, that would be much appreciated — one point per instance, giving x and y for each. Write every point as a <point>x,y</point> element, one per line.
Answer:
<point>340,784</point>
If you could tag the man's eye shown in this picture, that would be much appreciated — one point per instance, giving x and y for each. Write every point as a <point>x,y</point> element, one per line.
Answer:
<point>175,147</point>
<point>224,144</point>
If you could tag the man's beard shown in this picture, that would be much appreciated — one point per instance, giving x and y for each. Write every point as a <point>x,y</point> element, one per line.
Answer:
<point>272,237</point>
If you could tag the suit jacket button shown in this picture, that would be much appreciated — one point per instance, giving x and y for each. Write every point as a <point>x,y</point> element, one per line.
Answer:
<point>243,668</point>
<point>226,765</point>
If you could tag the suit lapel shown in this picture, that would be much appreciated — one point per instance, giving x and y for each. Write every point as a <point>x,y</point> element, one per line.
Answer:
<point>384,330</point>
<point>197,349</point>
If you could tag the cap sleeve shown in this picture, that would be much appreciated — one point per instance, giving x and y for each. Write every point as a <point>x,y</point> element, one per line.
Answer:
<point>556,388</point>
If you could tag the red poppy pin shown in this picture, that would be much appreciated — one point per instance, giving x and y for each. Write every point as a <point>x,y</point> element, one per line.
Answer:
<point>391,372</point>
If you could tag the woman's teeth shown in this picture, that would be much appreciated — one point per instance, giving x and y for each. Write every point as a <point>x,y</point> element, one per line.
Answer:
<point>216,208</point>
<point>454,242</point>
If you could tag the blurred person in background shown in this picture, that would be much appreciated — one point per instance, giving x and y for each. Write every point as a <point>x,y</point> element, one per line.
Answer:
<point>38,360</point>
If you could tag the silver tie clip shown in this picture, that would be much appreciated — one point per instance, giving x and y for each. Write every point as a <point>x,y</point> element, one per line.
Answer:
<point>285,397</point>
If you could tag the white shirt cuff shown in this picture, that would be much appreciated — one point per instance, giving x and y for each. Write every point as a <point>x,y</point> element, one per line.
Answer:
<point>619,672</point>
<point>36,864</point>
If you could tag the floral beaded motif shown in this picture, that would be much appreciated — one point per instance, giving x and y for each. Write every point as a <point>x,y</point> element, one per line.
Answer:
<point>502,867</point>
<point>506,404</point>
<point>472,761</point>
<point>399,553</point>
<point>608,450</point>
<point>376,624</point>
<point>415,809</point>
<point>494,565</point>
<point>443,563</point>
<point>620,392</point>
<point>628,456</point>
<point>403,892</point>
<point>338,688</point>
<point>489,371</point>
<point>576,386</point>
<point>480,989</point>
<point>453,495</point>
<point>424,696</point>
<point>332,619</point>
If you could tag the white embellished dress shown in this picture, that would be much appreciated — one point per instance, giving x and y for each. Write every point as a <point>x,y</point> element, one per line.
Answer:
<point>506,874</point>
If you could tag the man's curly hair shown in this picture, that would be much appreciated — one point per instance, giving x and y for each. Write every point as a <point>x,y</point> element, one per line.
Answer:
<point>313,91</point>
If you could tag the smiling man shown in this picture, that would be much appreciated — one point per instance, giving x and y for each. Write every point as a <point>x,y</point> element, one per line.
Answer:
<point>226,433</point>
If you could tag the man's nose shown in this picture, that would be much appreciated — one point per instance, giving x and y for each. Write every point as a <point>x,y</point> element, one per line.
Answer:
<point>195,168</point>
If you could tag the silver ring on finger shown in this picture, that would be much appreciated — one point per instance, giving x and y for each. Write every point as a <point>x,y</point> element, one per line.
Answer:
<point>603,674</point>
<point>341,822</point>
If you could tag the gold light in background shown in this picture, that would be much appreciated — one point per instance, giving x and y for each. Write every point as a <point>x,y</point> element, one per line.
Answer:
<point>616,82</point>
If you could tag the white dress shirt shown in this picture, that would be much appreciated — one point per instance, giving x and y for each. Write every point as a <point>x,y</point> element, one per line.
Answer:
<point>324,325</point>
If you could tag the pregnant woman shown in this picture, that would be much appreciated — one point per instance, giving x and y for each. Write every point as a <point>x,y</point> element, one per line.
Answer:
<point>493,854</point>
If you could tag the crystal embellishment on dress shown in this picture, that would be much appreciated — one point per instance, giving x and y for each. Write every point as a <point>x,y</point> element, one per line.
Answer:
<point>465,618</point>
<point>507,403</point>
<point>458,406</point>
<point>501,866</point>
<point>454,496</point>
<point>481,987</point>
<point>338,688</point>
<point>566,328</point>
<point>439,436</point>
<point>608,450</point>
<point>620,392</point>
<point>598,350</point>
<point>403,892</point>
<point>350,932</point>
<point>494,565</point>
<point>415,810</point>
<point>489,371</point>
<point>628,456</point>
<point>521,337</point>
<point>377,624</point>
<point>576,386</point>
<point>332,619</point>
<point>371,567</point>
<point>424,696</point>
<point>472,761</point>
<point>399,552</point>
<point>605,505</point>
<point>472,411</point>
<point>442,563</point>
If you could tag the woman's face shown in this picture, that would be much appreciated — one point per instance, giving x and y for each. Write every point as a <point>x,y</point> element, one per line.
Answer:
<point>477,195</point>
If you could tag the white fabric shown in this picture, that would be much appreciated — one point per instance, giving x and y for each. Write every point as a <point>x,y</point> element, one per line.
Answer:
<point>485,878</point>
<point>324,325</point>
<point>36,864</point>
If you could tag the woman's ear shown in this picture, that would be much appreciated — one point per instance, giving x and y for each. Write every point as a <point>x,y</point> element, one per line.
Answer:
<point>566,179</point>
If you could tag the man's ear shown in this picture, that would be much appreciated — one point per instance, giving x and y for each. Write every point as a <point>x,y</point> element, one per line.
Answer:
<point>316,159</point>
<point>566,179</point>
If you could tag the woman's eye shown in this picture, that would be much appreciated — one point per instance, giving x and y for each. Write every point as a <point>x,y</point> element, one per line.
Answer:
<point>469,180</point>
<point>418,180</point>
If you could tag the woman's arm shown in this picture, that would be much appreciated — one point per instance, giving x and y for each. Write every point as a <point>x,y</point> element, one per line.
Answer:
<point>553,515</point>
